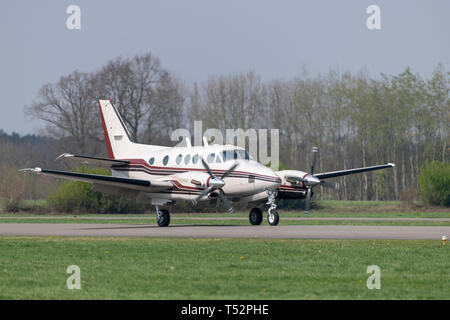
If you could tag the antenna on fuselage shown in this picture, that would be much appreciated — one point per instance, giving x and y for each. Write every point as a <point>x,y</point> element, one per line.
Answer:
<point>205,142</point>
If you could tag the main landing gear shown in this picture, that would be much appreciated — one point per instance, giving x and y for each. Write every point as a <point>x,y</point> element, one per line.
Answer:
<point>162,217</point>
<point>256,216</point>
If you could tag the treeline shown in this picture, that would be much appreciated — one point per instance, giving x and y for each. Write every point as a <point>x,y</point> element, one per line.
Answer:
<point>355,119</point>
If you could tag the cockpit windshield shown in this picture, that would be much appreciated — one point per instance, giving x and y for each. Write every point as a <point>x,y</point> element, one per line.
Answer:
<point>234,154</point>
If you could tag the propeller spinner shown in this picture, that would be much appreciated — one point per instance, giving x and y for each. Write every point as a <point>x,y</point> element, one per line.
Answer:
<point>217,183</point>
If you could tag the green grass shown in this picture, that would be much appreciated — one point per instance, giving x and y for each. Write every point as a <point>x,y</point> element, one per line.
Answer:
<point>136,268</point>
<point>206,221</point>
<point>283,213</point>
<point>327,209</point>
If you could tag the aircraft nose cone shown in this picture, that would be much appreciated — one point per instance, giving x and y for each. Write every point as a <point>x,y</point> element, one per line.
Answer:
<point>277,181</point>
<point>275,184</point>
<point>273,180</point>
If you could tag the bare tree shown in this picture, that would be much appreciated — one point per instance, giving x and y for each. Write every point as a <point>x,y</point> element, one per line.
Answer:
<point>12,187</point>
<point>132,84</point>
<point>165,110</point>
<point>69,108</point>
<point>234,101</point>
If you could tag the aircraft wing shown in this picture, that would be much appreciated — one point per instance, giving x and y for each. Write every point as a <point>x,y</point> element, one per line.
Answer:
<point>102,162</point>
<point>127,183</point>
<point>339,173</point>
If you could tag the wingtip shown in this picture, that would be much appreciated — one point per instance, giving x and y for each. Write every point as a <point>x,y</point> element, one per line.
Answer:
<point>64,155</point>
<point>36,170</point>
<point>391,164</point>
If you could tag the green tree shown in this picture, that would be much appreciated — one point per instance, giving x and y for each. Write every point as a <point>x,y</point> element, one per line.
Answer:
<point>76,196</point>
<point>434,183</point>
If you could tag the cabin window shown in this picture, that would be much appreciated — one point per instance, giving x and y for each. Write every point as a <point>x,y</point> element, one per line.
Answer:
<point>218,159</point>
<point>187,158</point>
<point>195,159</point>
<point>229,155</point>
<point>211,157</point>
<point>165,160</point>
<point>243,154</point>
<point>225,155</point>
<point>151,161</point>
<point>235,154</point>
<point>178,159</point>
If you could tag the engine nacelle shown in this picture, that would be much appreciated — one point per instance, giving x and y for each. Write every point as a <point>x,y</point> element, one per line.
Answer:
<point>292,185</point>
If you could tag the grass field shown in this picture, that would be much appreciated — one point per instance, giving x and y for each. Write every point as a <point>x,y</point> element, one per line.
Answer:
<point>242,220</point>
<point>129,268</point>
<point>325,207</point>
<point>152,268</point>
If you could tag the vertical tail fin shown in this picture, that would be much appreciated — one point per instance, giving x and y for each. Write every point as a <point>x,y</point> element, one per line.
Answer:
<point>117,136</point>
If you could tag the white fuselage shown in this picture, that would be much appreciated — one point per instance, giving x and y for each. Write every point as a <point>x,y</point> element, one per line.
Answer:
<point>183,167</point>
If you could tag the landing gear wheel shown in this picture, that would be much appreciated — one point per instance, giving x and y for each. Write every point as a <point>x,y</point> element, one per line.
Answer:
<point>255,217</point>
<point>163,218</point>
<point>273,218</point>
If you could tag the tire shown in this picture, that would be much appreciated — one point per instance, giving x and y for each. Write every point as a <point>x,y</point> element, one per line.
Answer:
<point>255,217</point>
<point>273,217</point>
<point>163,218</point>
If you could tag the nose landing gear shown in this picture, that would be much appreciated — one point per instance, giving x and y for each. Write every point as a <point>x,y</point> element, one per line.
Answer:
<point>273,217</point>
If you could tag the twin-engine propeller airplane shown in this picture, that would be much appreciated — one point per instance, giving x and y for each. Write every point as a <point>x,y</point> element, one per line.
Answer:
<point>162,175</point>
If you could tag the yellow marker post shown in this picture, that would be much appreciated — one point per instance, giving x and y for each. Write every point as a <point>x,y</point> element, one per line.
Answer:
<point>444,240</point>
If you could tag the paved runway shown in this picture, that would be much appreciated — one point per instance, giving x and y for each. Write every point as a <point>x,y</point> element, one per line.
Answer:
<point>221,231</point>
<point>228,218</point>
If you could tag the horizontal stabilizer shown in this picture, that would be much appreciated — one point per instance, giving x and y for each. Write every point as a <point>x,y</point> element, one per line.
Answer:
<point>92,161</point>
<point>143,185</point>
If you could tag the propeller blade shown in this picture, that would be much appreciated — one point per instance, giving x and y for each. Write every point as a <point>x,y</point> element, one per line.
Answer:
<point>225,200</point>
<point>332,185</point>
<point>204,193</point>
<point>313,158</point>
<point>230,170</point>
<point>308,201</point>
<point>205,165</point>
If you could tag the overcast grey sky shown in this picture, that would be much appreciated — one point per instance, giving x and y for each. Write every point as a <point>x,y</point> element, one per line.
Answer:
<point>196,38</point>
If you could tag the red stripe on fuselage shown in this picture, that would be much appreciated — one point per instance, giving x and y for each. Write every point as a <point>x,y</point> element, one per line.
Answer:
<point>181,186</point>
<point>180,170</point>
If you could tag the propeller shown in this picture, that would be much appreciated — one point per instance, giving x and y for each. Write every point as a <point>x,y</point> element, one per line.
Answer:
<point>311,181</point>
<point>308,200</point>
<point>314,152</point>
<point>217,183</point>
